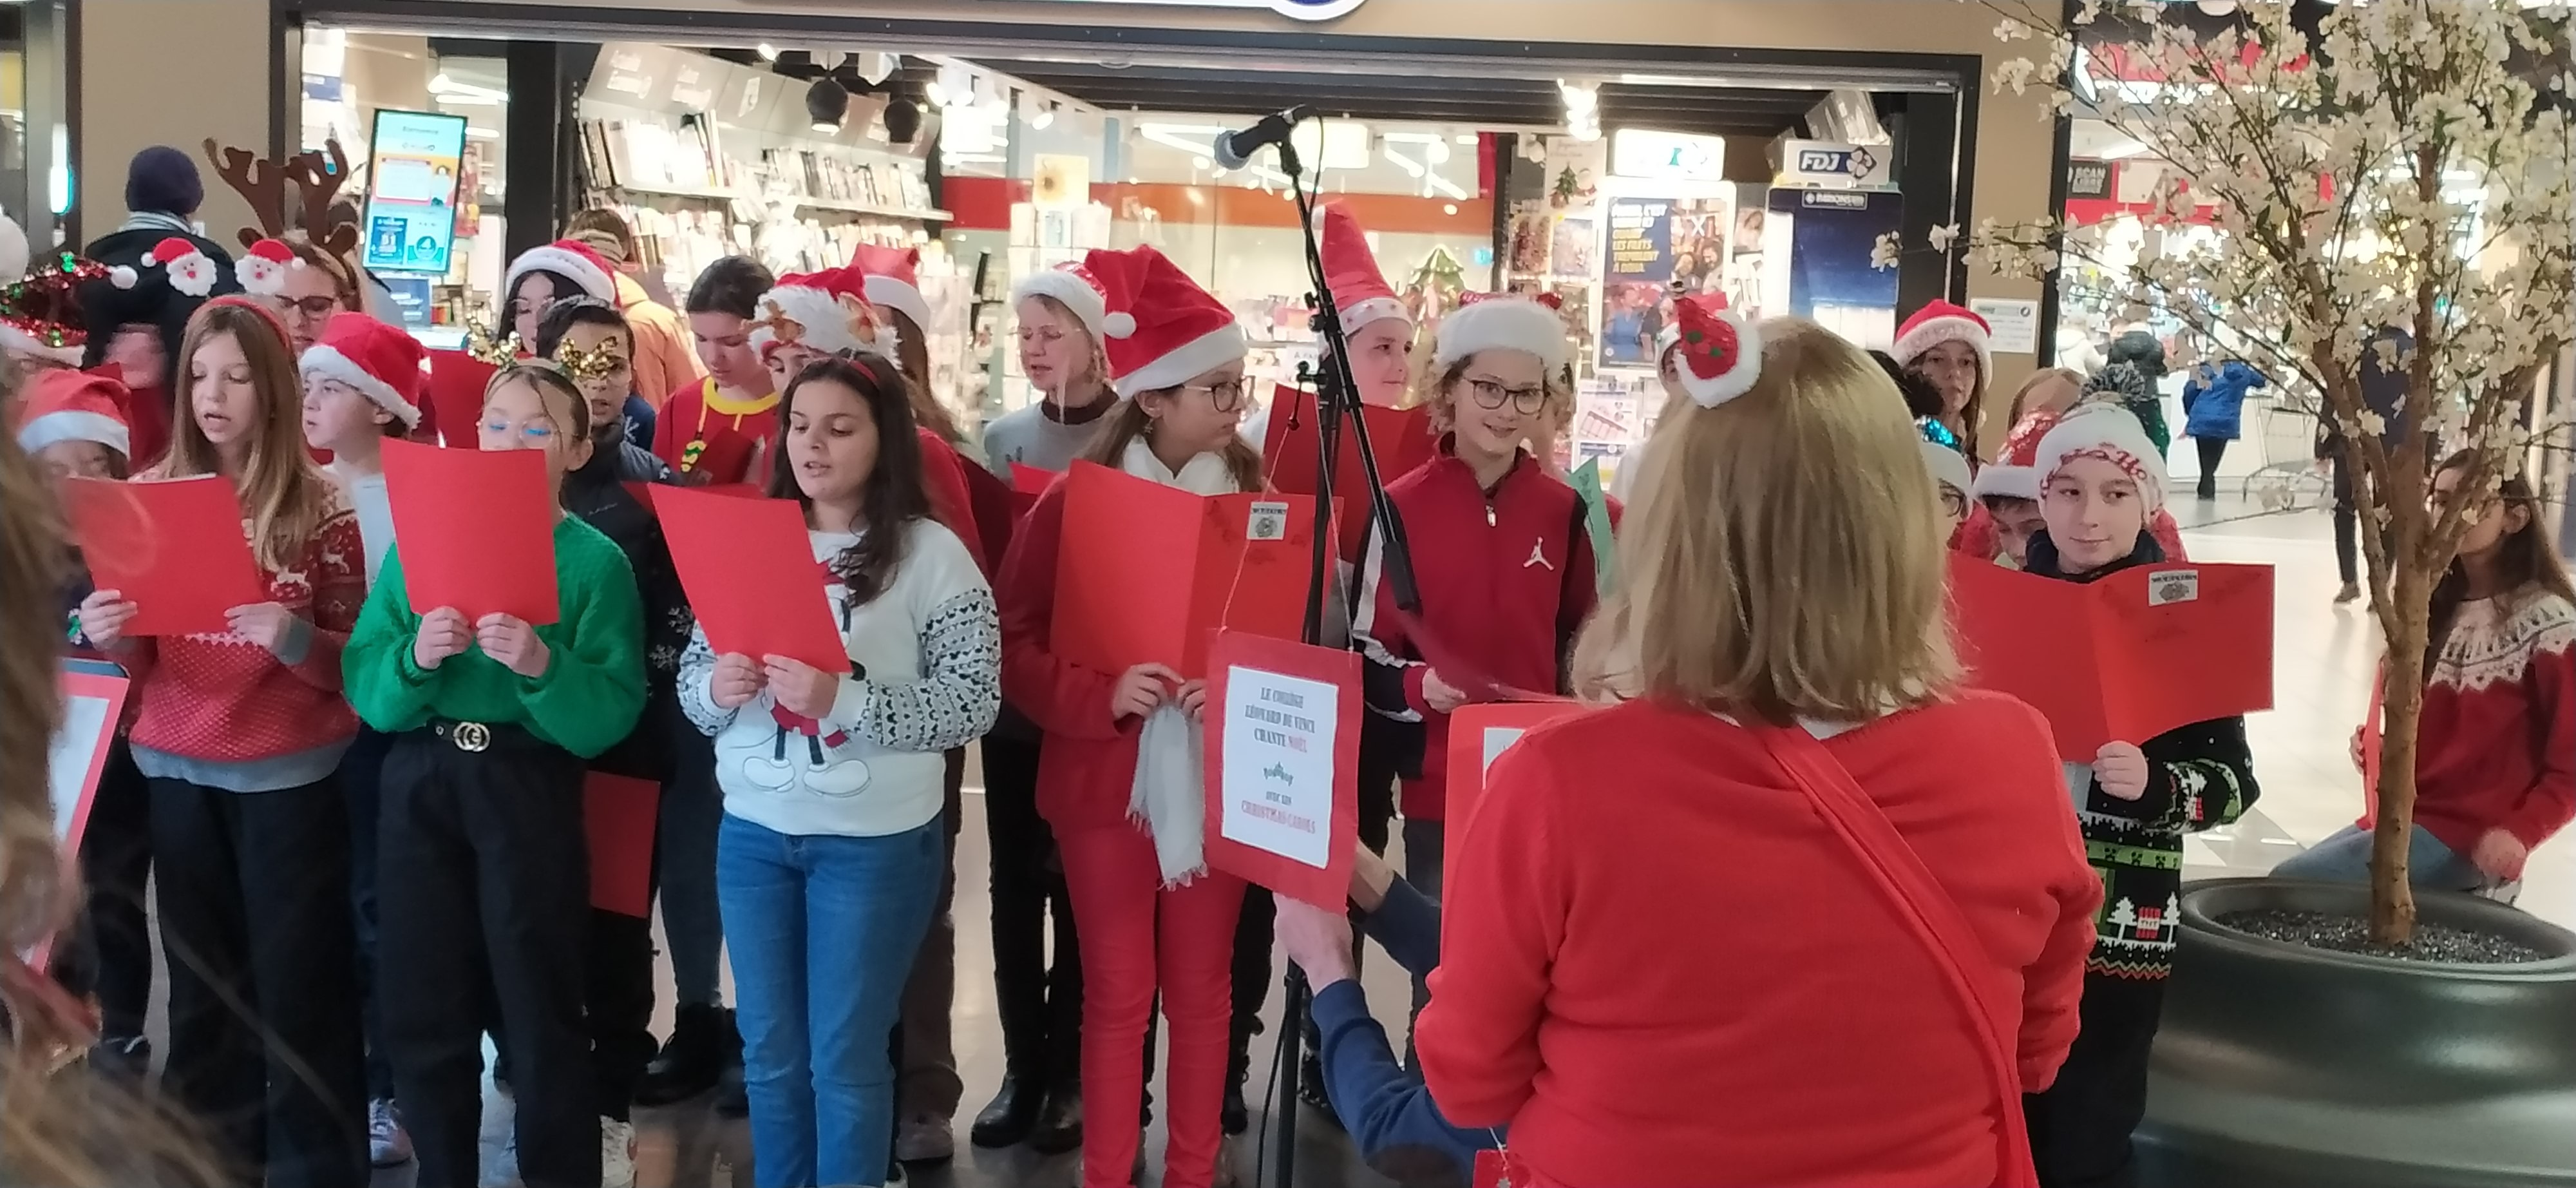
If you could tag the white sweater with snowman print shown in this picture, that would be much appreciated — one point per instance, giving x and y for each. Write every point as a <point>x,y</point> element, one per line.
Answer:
<point>926,660</point>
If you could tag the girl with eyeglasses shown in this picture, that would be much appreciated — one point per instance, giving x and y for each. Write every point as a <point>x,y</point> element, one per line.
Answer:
<point>1498,551</point>
<point>1152,914</point>
<point>485,890</point>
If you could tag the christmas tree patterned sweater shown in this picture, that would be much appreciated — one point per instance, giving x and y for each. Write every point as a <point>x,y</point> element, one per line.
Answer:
<point>2199,777</point>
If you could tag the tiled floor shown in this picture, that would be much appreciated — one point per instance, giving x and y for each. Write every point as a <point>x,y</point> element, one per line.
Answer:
<point>2323,659</point>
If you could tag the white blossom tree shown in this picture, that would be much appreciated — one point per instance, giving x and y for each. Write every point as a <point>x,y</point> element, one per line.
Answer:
<point>2405,165</point>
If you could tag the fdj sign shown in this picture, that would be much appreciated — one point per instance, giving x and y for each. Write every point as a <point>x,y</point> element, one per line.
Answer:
<point>1304,10</point>
<point>1857,162</point>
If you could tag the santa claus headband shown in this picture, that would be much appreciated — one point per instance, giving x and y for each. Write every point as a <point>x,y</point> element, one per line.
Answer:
<point>570,259</point>
<point>1496,321</point>
<point>264,267</point>
<point>1721,350</point>
<point>1940,322</point>
<point>380,362</point>
<point>826,311</point>
<point>1072,286</point>
<point>2108,433</point>
<point>59,405</point>
<point>190,270</point>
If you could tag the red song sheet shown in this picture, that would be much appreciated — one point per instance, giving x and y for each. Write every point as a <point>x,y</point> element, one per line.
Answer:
<point>1147,571</point>
<point>617,814</point>
<point>1400,438</point>
<point>1027,483</point>
<point>1479,734</point>
<point>456,382</point>
<point>2122,659</point>
<point>751,577</point>
<point>474,530</point>
<point>1283,751</point>
<point>643,492</point>
<point>175,549</point>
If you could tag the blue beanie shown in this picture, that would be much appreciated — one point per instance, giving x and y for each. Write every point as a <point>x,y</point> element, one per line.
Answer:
<point>164,179</point>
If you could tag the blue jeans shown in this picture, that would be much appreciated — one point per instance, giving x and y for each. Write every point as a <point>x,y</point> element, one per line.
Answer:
<point>2345,858</point>
<point>823,930</point>
<point>691,808</point>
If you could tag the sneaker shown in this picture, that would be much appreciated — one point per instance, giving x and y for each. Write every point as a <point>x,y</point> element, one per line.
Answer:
<point>924,1138</point>
<point>703,1044</point>
<point>1233,1116</point>
<point>2350,593</point>
<point>388,1144</point>
<point>616,1154</point>
<point>2504,893</point>
<point>1229,1163</point>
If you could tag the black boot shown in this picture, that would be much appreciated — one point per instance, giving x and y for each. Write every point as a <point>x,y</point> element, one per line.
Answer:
<point>1059,1125</point>
<point>1311,1090</point>
<point>1007,1121</point>
<point>703,1044</point>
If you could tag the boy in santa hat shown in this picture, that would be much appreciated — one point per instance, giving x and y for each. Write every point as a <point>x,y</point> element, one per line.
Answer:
<point>1375,320</point>
<point>2006,514</point>
<point>2100,478</point>
<point>1952,348</point>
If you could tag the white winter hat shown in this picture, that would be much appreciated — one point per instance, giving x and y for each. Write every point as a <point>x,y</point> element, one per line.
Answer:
<point>2112,434</point>
<point>1071,285</point>
<point>1489,321</point>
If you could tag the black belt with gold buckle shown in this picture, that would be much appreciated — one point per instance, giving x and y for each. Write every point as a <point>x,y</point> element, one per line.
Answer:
<point>470,737</point>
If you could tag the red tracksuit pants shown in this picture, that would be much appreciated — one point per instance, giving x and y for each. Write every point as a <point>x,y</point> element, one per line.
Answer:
<point>1138,936</point>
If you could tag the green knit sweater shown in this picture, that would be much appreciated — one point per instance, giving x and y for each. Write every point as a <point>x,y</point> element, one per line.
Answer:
<point>593,686</point>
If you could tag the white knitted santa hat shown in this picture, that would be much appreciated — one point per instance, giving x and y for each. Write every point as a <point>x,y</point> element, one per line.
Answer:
<point>1494,321</point>
<point>2112,434</point>
<point>2014,474</point>
<point>383,363</point>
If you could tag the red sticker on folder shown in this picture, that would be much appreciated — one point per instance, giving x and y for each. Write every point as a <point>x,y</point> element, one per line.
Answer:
<point>2097,658</point>
<point>749,570</point>
<point>617,816</point>
<point>176,549</point>
<point>1282,755</point>
<point>1148,571</point>
<point>474,530</point>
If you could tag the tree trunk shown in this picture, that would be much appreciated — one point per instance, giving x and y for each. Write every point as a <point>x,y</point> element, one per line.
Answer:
<point>2392,897</point>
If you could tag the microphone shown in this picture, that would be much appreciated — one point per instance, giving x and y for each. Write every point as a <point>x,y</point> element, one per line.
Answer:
<point>1235,149</point>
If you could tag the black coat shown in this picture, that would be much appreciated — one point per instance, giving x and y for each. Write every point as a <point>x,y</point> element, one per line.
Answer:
<point>597,493</point>
<point>151,302</point>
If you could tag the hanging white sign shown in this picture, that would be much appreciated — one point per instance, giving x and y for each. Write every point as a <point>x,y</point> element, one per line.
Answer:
<point>1303,10</point>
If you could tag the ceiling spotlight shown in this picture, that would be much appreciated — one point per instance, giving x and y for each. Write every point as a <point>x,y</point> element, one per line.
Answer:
<point>1045,117</point>
<point>767,52</point>
<point>827,104</point>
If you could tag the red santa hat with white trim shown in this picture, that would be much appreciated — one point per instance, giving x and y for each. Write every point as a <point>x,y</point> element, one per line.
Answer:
<point>827,311</point>
<point>1501,321</point>
<point>59,404</point>
<point>2014,474</point>
<point>1715,344</point>
<point>1072,286</point>
<point>2111,434</point>
<point>1174,331</point>
<point>383,363</point>
<point>1943,321</point>
<point>1359,289</point>
<point>894,281</point>
<point>263,269</point>
<point>571,259</point>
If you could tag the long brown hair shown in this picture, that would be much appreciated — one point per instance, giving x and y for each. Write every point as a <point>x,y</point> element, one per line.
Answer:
<point>1129,421</point>
<point>2527,562</point>
<point>912,357</point>
<point>892,497</point>
<point>282,491</point>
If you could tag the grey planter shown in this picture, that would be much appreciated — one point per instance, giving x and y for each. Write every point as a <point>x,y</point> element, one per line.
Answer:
<point>2281,1066</point>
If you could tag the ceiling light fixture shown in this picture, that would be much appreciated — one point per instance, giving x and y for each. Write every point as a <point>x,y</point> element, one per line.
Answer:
<point>1046,116</point>
<point>828,105</point>
<point>767,52</point>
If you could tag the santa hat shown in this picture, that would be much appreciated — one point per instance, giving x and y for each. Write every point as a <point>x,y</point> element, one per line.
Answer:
<point>2112,434</point>
<point>568,258</point>
<point>1721,349</point>
<point>1949,467</point>
<point>190,270</point>
<point>40,310</point>
<point>1497,321</point>
<point>59,405</point>
<point>2014,474</point>
<point>826,311</point>
<point>1072,286</point>
<point>1941,322</point>
<point>894,280</point>
<point>383,363</point>
<point>263,269</point>
<point>1174,331</point>
<point>1351,269</point>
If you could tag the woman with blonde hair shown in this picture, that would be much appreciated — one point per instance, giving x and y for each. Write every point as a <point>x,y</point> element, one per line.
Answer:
<point>1790,851</point>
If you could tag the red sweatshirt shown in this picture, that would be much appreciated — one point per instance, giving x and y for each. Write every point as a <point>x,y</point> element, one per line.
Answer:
<point>1659,966</point>
<point>2497,747</point>
<point>943,479</point>
<point>221,711</point>
<point>1088,768</point>
<point>734,434</point>
<point>1506,580</point>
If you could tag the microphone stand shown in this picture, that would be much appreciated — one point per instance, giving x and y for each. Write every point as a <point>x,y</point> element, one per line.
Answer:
<point>1337,406</point>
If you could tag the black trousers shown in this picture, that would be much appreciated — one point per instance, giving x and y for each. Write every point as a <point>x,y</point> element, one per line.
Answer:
<point>620,1001</point>
<point>2080,1126</point>
<point>2212,450</point>
<point>362,773</point>
<point>1038,998</point>
<point>110,956</point>
<point>2347,523</point>
<point>485,895</point>
<point>254,898</point>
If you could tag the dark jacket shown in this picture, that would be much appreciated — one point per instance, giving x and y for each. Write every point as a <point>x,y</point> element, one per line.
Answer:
<point>2199,776</point>
<point>2213,400</point>
<point>1387,1109</point>
<point>2383,391</point>
<point>598,494</point>
<point>151,302</point>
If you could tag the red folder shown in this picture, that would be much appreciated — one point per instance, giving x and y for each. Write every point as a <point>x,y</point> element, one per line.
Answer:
<point>1283,753</point>
<point>1027,483</point>
<point>750,574</point>
<point>617,814</point>
<point>643,492</point>
<point>2122,659</point>
<point>474,530</point>
<point>1147,571</point>
<point>1400,438</point>
<point>456,382</point>
<point>93,701</point>
<point>1479,734</point>
<point>176,549</point>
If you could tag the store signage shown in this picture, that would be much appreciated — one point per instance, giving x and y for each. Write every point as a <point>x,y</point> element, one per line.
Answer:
<point>2088,179</point>
<point>1303,10</point>
<point>1667,156</point>
<point>411,191</point>
<point>1829,163</point>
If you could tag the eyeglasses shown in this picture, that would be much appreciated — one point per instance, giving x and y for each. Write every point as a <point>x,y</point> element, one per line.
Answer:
<point>309,307</point>
<point>1224,397</point>
<point>1491,394</point>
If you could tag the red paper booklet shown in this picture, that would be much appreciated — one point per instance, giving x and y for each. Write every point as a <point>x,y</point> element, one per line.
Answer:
<point>1147,571</point>
<point>751,577</point>
<point>1283,752</point>
<point>456,382</point>
<point>1027,483</point>
<point>2122,659</point>
<point>1478,735</point>
<point>474,531</point>
<point>175,549</point>
<point>1399,438</point>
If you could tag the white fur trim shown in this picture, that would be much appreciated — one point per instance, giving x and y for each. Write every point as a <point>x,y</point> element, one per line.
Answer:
<point>15,339</point>
<point>1119,325</point>
<point>1666,339</point>
<point>58,427</point>
<point>1737,380</point>
<point>2002,481</point>
<point>1936,331</point>
<point>1502,323</point>
<point>1949,468</point>
<point>1068,290</point>
<point>329,363</point>
<point>892,293</point>
<point>826,322</point>
<point>1186,362</point>
<point>1375,309</point>
<point>594,281</point>
<point>123,276</point>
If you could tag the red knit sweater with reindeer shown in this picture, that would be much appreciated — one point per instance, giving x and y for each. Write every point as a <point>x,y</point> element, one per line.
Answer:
<point>2497,747</point>
<point>223,712</point>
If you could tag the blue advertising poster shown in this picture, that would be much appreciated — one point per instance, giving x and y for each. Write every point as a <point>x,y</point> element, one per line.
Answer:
<point>1636,279</point>
<point>411,191</point>
<point>1832,234</point>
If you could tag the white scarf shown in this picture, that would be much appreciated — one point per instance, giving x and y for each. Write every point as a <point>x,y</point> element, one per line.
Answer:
<point>1169,797</point>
